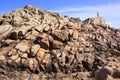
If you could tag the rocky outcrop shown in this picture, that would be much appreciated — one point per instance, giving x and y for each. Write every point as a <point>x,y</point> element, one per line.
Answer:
<point>109,71</point>
<point>37,41</point>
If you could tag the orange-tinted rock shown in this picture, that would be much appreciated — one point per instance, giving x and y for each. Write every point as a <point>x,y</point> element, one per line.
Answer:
<point>42,52</point>
<point>60,35</point>
<point>23,46</point>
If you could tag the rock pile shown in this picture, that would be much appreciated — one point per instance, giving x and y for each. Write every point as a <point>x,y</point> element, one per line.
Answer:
<point>110,71</point>
<point>37,41</point>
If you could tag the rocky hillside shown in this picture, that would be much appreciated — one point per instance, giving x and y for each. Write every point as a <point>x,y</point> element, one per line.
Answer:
<point>39,45</point>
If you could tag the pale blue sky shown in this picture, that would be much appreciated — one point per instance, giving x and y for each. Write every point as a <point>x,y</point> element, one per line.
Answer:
<point>109,9</point>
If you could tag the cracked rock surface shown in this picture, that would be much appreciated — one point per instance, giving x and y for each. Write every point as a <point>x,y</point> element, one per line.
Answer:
<point>36,44</point>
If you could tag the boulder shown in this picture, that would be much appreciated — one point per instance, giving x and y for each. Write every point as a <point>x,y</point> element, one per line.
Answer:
<point>42,52</point>
<point>60,35</point>
<point>56,44</point>
<point>5,30</point>
<point>42,42</point>
<point>46,58</point>
<point>17,20</point>
<point>70,24</point>
<point>4,50</point>
<point>95,21</point>
<point>110,71</point>
<point>34,50</point>
<point>32,64</point>
<point>23,46</point>
<point>19,32</point>
<point>2,58</point>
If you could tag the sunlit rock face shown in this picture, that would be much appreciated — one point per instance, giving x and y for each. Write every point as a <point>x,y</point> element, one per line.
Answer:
<point>35,41</point>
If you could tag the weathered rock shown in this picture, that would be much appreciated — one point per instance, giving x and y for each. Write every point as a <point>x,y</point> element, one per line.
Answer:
<point>46,58</point>
<point>84,75</point>
<point>70,24</point>
<point>56,44</point>
<point>57,53</point>
<point>44,43</point>
<point>23,62</point>
<point>35,40</point>
<point>32,64</point>
<point>14,57</point>
<point>42,52</point>
<point>19,32</point>
<point>2,58</point>
<point>35,33</point>
<point>29,36</point>
<point>96,21</point>
<point>17,20</point>
<point>24,55</point>
<point>8,41</point>
<point>5,30</point>
<point>4,50</point>
<point>39,28</point>
<point>99,46</point>
<point>75,34</point>
<point>46,27</point>
<point>110,71</point>
<point>87,64</point>
<point>34,50</point>
<point>12,52</point>
<point>60,35</point>
<point>23,46</point>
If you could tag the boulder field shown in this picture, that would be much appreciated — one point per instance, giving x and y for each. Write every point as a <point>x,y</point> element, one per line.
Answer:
<point>36,44</point>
